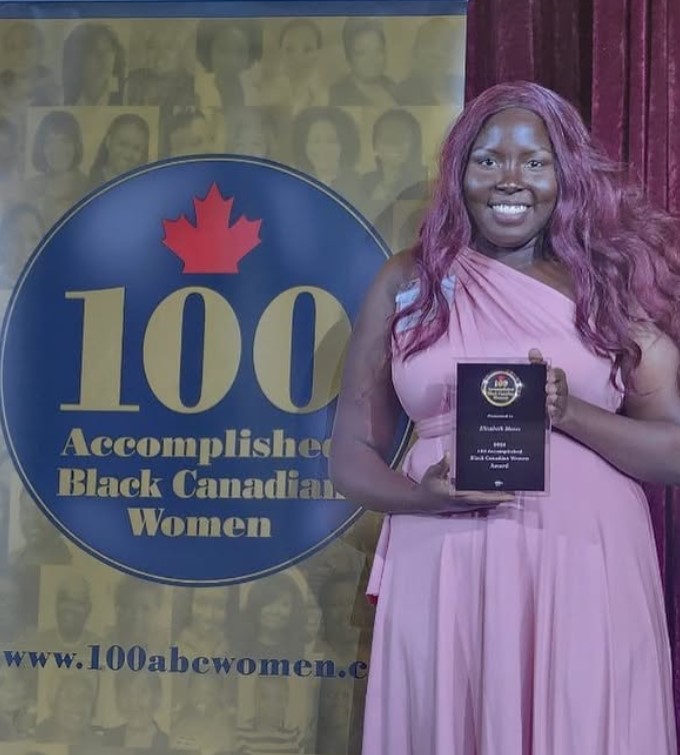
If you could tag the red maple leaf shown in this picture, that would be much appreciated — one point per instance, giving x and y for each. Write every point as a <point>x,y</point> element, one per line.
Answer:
<point>212,245</point>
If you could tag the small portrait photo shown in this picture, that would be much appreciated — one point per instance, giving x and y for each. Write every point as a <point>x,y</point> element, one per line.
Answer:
<point>33,539</point>
<point>336,560</point>
<point>228,72</point>
<point>295,67</point>
<point>28,58</point>
<point>364,43</point>
<point>203,716</point>
<point>276,710</point>
<point>19,601</point>
<point>272,620</point>
<point>189,131</point>
<point>125,140</point>
<point>142,613</point>
<point>94,63</point>
<point>73,151</point>
<point>73,611</point>
<point>18,703</point>
<point>134,710</point>
<point>67,701</point>
<point>435,74</point>
<point>399,171</point>
<point>204,620</point>
<point>55,178</point>
<point>255,132</point>
<point>325,144</point>
<point>162,62</point>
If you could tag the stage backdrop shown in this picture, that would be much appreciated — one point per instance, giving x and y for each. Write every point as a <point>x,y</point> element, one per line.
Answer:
<point>194,198</point>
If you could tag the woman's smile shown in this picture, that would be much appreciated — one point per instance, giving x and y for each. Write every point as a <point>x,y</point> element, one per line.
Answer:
<point>510,185</point>
<point>509,213</point>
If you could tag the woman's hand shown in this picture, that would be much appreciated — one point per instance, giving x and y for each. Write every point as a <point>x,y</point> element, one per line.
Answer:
<point>556,389</point>
<point>438,497</point>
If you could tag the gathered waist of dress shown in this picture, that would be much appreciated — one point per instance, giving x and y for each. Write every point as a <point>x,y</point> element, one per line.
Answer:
<point>435,427</point>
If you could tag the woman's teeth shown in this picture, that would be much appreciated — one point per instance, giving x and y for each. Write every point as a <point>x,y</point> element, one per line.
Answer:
<point>510,209</point>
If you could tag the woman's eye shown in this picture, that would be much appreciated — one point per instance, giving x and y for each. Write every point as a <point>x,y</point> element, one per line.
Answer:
<point>535,163</point>
<point>487,162</point>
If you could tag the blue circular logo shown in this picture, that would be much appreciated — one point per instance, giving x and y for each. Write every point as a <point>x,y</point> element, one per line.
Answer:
<point>171,360</point>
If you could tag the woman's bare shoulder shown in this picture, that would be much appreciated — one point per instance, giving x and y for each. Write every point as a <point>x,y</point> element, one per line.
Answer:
<point>399,270</point>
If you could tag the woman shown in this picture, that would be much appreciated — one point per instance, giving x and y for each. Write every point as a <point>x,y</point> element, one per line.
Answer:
<point>326,145</point>
<point>273,619</point>
<point>140,618</point>
<point>399,173</point>
<point>300,45</point>
<point>251,131</point>
<point>125,146</point>
<point>521,625</point>
<point>71,711</point>
<point>205,719</point>
<point>229,51</point>
<point>298,82</point>
<point>93,66</point>
<point>366,83</point>
<point>206,632</point>
<point>24,78</point>
<point>163,81</point>
<point>340,638</point>
<point>138,698</point>
<point>186,133</point>
<point>57,156</point>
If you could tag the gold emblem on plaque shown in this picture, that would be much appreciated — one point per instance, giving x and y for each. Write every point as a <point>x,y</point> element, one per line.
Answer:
<point>501,388</point>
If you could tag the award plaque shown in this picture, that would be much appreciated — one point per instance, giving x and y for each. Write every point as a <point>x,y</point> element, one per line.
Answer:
<point>501,436</point>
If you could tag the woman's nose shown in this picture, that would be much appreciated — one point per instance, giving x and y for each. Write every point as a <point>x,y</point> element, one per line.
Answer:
<point>510,177</point>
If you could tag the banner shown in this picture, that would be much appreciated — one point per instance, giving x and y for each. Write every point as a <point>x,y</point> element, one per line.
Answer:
<point>194,199</point>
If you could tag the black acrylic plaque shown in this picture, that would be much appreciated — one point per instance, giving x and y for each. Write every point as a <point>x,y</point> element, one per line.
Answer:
<point>501,438</point>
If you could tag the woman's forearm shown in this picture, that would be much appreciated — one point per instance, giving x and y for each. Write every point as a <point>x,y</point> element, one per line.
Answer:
<point>361,475</point>
<point>644,449</point>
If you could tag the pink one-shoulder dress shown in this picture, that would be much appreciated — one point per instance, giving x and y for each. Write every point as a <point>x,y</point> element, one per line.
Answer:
<point>538,629</point>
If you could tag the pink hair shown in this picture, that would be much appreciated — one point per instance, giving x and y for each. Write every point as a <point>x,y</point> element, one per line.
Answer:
<point>621,252</point>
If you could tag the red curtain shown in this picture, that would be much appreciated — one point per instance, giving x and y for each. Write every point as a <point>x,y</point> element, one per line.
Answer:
<point>618,61</point>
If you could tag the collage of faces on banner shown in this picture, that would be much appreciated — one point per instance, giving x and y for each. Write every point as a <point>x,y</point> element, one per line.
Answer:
<point>360,104</point>
<point>56,604</point>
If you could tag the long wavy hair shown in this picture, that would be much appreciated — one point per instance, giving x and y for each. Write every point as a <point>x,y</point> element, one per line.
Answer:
<point>98,169</point>
<point>264,593</point>
<point>621,252</point>
<point>78,45</point>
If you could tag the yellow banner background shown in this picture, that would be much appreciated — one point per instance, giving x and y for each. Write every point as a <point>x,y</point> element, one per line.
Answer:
<point>360,104</point>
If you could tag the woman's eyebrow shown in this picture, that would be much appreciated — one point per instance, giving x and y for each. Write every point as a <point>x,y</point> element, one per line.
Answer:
<point>529,151</point>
